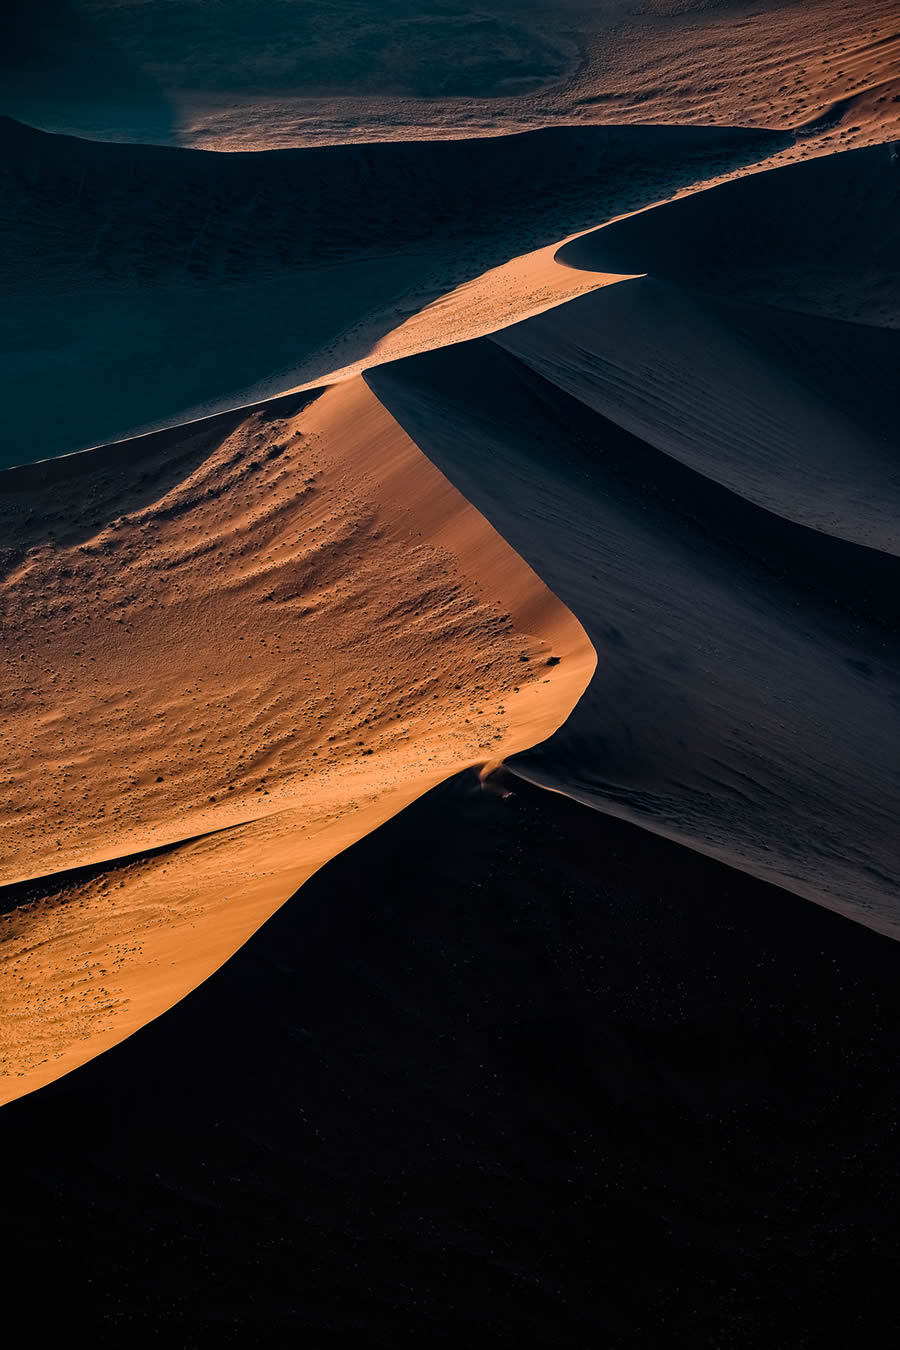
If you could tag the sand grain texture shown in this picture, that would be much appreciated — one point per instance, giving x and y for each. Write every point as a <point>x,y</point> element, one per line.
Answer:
<point>295,626</point>
<point>252,76</point>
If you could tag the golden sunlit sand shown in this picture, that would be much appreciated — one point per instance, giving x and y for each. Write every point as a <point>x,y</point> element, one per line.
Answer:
<point>296,626</point>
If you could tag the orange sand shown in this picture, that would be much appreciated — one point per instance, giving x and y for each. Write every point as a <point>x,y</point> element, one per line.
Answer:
<point>294,632</point>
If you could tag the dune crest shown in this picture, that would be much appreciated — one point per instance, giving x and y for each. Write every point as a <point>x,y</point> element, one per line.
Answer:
<point>147,286</point>
<point>746,691</point>
<point>297,626</point>
<point>796,413</point>
<point>820,237</point>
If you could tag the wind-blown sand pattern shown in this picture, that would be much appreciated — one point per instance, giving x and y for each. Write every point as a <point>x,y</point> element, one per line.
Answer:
<point>450,671</point>
<point>297,626</point>
<point>301,72</point>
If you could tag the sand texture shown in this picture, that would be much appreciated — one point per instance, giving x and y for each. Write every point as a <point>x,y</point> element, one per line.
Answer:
<point>253,75</point>
<point>295,626</point>
<point>450,673</point>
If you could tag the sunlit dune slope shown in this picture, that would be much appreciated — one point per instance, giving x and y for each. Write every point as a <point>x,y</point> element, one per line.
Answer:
<point>821,237</point>
<point>747,690</point>
<point>245,75</point>
<point>261,636</point>
<point>145,285</point>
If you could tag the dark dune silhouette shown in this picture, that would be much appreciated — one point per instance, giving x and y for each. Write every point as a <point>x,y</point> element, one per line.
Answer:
<point>59,66</point>
<point>506,1069</point>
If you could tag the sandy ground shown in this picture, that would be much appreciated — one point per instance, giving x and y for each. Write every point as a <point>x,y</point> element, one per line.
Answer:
<point>295,626</point>
<point>257,76</point>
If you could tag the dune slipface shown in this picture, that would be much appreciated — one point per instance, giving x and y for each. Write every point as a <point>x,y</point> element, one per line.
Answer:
<point>819,237</point>
<point>794,413</point>
<point>711,484</point>
<point>746,693</point>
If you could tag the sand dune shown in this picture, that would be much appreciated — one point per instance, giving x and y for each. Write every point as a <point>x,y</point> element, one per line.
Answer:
<point>492,1030</point>
<point>295,625</point>
<point>472,400</point>
<point>797,414</point>
<point>746,692</point>
<point>248,76</point>
<point>820,237</point>
<point>708,485</point>
<point>146,286</point>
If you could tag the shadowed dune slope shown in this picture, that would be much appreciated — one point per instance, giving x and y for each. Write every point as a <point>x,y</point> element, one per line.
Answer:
<point>820,236</point>
<point>747,691</point>
<point>506,1061</point>
<point>147,285</point>
<point>798,414</point>
<point>252,642</point>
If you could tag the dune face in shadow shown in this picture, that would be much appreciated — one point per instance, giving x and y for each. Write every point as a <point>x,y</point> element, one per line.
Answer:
<point>712,486</point>
<point>794,413</point>
<point>359,46</point>
<point>60,67</point>
<point>251,642</point>
<point>147,285</point>
<point>820,237</point>
<point>746,694</point>
<point>504,1059</point>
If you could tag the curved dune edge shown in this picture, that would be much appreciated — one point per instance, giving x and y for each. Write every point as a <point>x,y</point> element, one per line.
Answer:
<point>819,236</point>
<point>320,547</point>
<point>354,289</point>
<point>746,691</point>
<point>793,412</point>
<point>171,284</point>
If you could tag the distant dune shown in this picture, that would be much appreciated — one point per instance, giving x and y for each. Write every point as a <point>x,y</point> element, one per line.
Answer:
<point>145,285</point>
<point>238,74</point>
